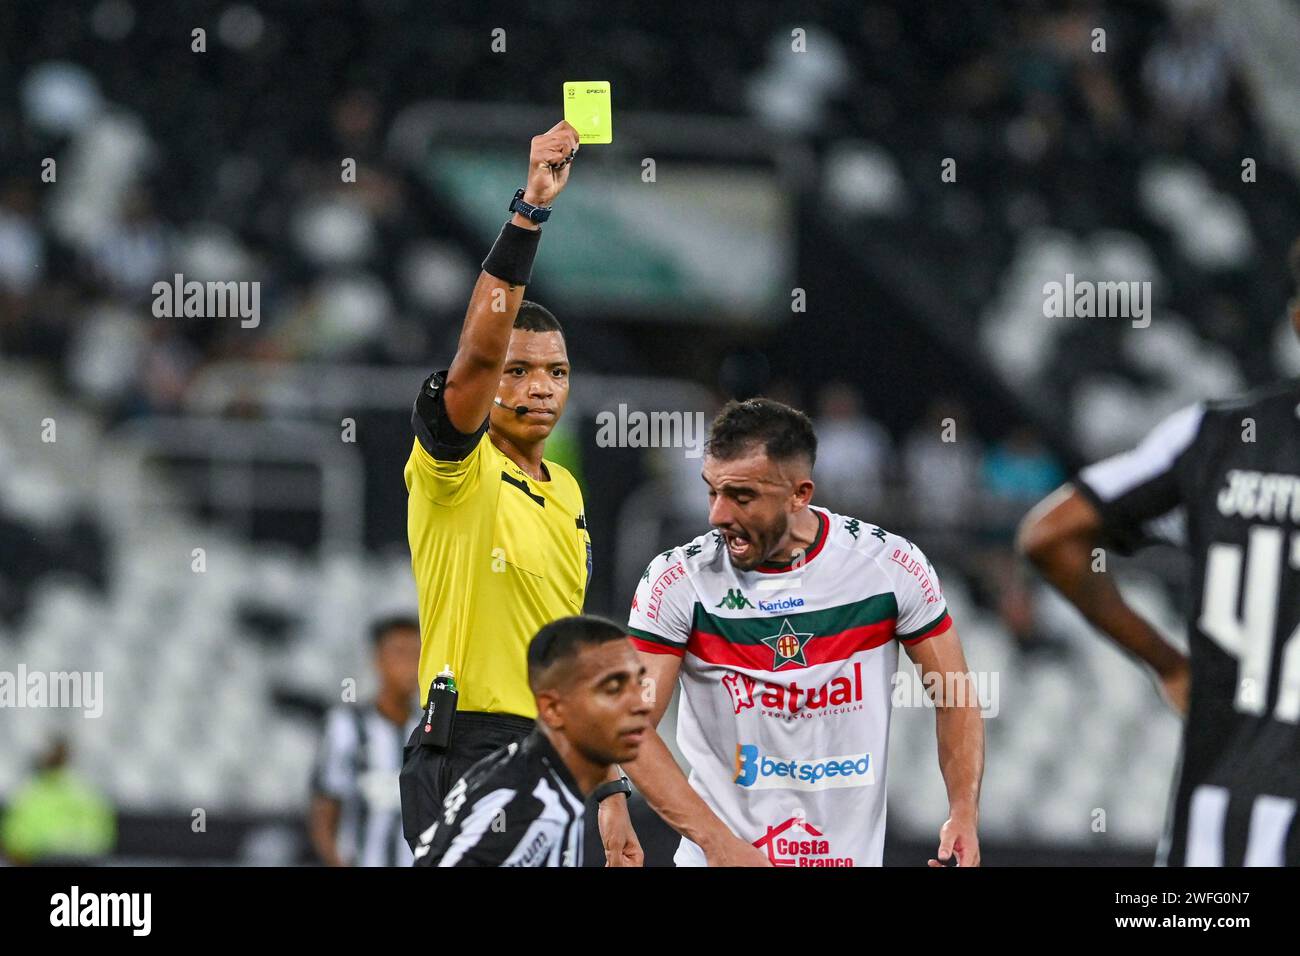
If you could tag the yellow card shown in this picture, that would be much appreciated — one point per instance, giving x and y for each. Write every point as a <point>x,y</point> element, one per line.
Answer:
<point>587,108</point>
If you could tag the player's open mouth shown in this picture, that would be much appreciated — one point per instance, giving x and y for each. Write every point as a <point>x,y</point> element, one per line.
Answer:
<point>738,545</point>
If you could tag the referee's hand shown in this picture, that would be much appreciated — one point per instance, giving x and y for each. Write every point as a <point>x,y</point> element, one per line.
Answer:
<point>549,161</point>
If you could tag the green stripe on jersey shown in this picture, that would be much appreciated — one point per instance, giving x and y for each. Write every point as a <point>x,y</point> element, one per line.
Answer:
<point>653,638</point>
<point>831,620</point>
<point>923,628</point>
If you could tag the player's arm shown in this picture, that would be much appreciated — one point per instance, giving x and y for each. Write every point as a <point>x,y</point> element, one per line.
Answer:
<point>925,629</point>
<point>1116,503</point>
<point>331,782</point>
<point>475,371</point>
<point>660,626</point>
<point>1060,536</point>
<point>323,826</point>
<point>960,730</point>
<point>661,781</point>
<point>617,835</point>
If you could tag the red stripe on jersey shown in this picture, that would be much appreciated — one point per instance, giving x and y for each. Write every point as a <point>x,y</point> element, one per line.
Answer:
<point>822,649</point>
<point>944,623</point>
<point>652,648</point>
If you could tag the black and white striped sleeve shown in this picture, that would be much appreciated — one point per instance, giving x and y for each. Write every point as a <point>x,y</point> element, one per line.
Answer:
<point>504,827</point>
<point>1140,493</point>
<point>472,836</point>
<point>334,772</point>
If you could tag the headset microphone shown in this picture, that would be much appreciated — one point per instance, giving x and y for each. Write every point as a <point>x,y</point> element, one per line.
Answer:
<point>518,409</point>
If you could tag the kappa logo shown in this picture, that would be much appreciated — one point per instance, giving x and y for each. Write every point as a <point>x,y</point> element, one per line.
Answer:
<point>734,600</point>
<point>796,842</point>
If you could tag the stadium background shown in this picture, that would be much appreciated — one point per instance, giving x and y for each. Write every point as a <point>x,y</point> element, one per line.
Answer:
<point>793,236</point>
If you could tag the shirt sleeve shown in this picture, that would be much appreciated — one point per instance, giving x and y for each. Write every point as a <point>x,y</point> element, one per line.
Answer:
<point>1136,491</point>
<point>483,831</point>
<point>922,610</point>
<point>443,462</point>
<point>662,607</point>
<point>336,757</point>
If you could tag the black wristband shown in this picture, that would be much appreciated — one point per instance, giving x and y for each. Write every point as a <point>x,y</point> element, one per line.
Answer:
<point>511,258</point>
<point>610,787</point>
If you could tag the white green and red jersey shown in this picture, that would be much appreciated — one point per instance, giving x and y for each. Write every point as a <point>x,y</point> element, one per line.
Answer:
<point>786,677</point>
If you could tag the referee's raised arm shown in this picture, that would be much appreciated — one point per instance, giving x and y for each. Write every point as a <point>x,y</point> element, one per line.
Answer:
<point>497,531</point>
<point>481,353</point>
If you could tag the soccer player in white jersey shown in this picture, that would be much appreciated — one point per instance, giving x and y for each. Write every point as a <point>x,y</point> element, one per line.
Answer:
<point>783,625</point>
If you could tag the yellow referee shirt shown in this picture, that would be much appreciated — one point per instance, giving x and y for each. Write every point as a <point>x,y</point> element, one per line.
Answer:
<point>496,554</point>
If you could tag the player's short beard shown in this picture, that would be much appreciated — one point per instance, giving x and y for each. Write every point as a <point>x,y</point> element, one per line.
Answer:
<point>765,541</point>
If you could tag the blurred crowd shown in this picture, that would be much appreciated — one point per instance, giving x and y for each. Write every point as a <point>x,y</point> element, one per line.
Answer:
<point>226,164</point>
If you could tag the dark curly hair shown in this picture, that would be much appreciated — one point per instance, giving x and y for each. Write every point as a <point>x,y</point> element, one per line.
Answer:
<point>782,432</point>
<point>536,318</point>
<point>563,639</point>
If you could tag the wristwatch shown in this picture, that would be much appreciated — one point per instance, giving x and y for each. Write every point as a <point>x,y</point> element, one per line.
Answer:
<point>610,787</point>
<point>538,214</point>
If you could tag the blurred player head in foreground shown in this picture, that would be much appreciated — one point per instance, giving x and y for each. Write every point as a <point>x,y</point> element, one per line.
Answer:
<point>535,377</point>
<point>586,677</point>
<point>396,642</point>
<point>758,465</point>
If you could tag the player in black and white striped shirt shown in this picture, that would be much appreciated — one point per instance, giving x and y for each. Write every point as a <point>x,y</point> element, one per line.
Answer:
<point>523,804</point>
<point>356,816</point>
<point>1222,481</point>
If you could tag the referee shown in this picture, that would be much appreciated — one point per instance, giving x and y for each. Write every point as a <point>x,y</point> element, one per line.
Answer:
<point>498,537</point>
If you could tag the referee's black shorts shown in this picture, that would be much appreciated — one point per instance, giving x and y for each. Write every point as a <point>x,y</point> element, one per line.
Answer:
<point>429,773</point>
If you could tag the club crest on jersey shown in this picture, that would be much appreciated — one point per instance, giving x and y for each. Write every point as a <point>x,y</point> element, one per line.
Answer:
<point>787,646</point>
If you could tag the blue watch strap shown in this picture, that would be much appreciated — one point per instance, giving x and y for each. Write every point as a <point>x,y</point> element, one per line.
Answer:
<point>538,214</point>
